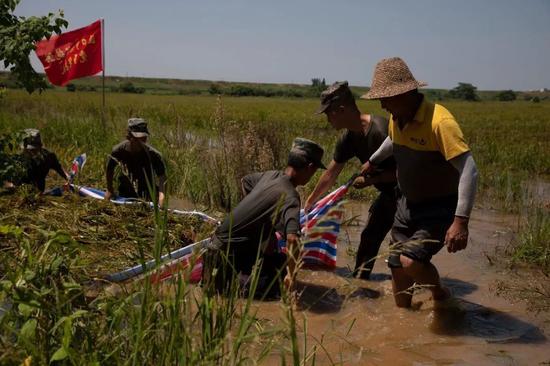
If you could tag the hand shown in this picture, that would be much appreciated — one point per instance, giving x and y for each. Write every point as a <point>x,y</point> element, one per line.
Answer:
<point>108,195</point>
<point>362,182</point>
<point>457,236</point>
<point>161,199</point>
<point>366,168</point>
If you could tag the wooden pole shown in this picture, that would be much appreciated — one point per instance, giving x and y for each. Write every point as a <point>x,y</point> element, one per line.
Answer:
<point>103,74</point>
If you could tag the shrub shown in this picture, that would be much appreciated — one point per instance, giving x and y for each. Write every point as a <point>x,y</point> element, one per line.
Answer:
<point>129,87</point>
<point>12,165</point>
<point>506,96</point>
<point>464,91</point>
<point>215,89</point>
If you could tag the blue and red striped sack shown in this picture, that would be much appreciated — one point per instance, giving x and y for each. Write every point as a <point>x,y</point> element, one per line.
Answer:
<point>320,229</point>
<point>77,165</point>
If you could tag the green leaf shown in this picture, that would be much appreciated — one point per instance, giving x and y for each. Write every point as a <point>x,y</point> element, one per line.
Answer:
<point>71,285</point>
<point>59,355</point>
<point>10,229</point>
<point>6,285</point>
<point>28,330</point>
<point>45,291</point>
<point>59,322</point>
<point>25,309</point>
<point>78,314</point>
<point>29,275</point>
<point>55,264</point>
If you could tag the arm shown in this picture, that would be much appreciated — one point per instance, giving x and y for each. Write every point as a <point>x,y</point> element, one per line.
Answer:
<point>467,184</point>
<point>384,151</point>
<point>58,168</point>
<point>109,173</point>
<point>249,181</point>
<point>162,187</point>
<point>159,168</point>
<point>326,181</point>
<point>457,236</point>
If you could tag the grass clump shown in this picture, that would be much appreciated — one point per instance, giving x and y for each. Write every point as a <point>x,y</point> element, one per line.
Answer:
<point>109,237</point>
<point>47,314</point>
<point>533,242</point>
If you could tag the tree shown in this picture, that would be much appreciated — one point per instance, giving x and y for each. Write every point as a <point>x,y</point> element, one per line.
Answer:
<point>318,83</point>
<point>317,86</point>
<point>506,96</point>
<point>127,87</point>
<point>214,89</point>
<point>464,91</point>
<point>17,38</point>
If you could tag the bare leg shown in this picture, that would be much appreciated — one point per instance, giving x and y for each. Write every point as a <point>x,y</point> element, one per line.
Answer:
<point>425,274</point>
<point>401,282</point>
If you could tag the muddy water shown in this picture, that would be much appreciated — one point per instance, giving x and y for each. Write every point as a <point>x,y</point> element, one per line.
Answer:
<point>358,324</point>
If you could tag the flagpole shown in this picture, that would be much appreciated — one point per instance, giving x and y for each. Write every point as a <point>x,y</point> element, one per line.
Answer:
<point>103,73</point>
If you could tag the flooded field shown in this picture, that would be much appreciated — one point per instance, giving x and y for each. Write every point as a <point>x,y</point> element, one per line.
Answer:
<point>209,144</point>
<point>357,323</point>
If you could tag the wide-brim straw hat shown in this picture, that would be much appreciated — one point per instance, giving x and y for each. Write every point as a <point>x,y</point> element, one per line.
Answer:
<point>392,77</point>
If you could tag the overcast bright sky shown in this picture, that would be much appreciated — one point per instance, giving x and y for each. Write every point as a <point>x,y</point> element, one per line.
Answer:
<point>493,44</point>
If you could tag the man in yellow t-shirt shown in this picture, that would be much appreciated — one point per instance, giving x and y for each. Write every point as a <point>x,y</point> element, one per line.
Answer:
<point>436,174</point>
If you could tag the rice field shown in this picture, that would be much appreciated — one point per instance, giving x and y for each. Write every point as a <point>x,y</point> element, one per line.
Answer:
<point>209,143</point>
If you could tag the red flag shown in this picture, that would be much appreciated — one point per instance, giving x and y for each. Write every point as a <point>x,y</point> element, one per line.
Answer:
<point>72,55</point>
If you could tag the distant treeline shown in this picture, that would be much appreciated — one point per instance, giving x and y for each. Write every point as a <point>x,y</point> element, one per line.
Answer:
<point>136,85</point>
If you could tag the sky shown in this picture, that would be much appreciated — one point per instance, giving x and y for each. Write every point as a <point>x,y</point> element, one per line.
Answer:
<point>493,44</point>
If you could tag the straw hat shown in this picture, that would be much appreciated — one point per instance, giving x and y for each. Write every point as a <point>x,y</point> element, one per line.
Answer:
<point>392,77</point>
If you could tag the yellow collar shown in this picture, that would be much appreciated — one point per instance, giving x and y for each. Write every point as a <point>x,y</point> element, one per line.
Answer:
<point>424,107</point>
<point>421,112</point>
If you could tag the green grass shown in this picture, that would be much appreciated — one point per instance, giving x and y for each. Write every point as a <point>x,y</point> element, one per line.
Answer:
<point>509,140</point>
<point>52,309</point>
<point>208,145</point>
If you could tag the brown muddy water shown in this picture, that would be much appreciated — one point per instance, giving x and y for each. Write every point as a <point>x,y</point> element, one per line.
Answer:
<point>357,323</point>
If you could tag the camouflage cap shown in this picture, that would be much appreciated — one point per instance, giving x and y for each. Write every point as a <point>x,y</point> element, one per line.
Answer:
<point>138,127</point>
<point>338,91</point>
<point>32,139</point>
<point>310,150</point>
